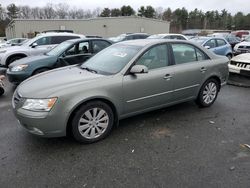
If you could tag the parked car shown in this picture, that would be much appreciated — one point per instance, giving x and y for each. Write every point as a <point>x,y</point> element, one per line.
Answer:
<point>36,46</point>
<point>13,42</point>
<point>69,52</point>
<point>232,40</point>
<point>123,80</point>
<point>242,47</point>
<point>129,36</point>
<point>168,36</point>
<point>218,45</point>
<point>240,64</point>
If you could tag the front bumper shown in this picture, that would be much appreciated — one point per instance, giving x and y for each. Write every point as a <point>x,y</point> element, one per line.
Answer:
<point>239,70</point>
<point>45,124</point>
<point>16,77</point>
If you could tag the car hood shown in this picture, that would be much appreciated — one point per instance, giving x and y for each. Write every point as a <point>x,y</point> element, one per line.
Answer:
<point>242,58</point>
<point>13,48</point>
<point>243,43</point>
<point>42,59</point>
<point>46,84</point>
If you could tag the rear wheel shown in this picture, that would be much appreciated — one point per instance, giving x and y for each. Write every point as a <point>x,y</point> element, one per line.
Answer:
<point>229,56</point>
<point>92,122</point>
<point>1,91</point>
<point>208,93</point>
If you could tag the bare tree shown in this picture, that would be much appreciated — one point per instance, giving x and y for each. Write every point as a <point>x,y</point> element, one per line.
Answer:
<point>49,12</point>
<point>25,12</point>
<point>62,10</point>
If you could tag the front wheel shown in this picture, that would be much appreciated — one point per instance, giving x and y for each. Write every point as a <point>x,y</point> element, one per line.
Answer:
<point>208,93</point>
<point>92,122</point>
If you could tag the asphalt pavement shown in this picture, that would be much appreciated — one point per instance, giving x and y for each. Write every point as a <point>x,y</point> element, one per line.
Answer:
<point>179,146</point>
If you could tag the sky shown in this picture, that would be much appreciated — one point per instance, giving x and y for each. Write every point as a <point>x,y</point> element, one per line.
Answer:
<point>232,6</point>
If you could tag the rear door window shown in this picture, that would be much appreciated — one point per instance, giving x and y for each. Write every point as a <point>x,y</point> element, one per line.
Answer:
<point>185,53</point>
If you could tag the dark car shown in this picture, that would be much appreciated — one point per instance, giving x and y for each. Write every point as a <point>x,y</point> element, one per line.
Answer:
<point>129,36</point>
<point>232,40</point>
<point>69,52</point>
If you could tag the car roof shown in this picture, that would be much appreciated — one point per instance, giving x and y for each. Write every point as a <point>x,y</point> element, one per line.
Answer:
<point>88,39</point>
<point>145,42</point>
<point>59,34</point>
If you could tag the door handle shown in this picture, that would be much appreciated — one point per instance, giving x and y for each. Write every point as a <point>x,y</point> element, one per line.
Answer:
<point>203,69</point>
<point>167,77</point>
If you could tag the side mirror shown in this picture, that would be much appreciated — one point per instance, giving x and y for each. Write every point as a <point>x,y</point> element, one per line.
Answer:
<point>207,47</point>
<point>139,69</point>
<point>34,45</point>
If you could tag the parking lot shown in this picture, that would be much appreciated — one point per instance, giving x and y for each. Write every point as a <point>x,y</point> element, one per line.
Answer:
<point>180,146</point>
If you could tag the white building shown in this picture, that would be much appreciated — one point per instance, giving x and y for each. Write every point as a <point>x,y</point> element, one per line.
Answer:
<point>101,26</point>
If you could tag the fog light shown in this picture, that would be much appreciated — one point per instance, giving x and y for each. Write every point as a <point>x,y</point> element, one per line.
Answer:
<point>36,131</point>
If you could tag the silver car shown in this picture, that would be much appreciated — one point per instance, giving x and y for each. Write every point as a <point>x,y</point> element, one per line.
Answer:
<point>123,80</point>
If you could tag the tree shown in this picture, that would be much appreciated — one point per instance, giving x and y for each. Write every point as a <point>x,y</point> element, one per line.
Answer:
<point>49,11</point>
<point>141,11</point>
<point>62,10</point>
<point>105,13</point>
<point>127,10</point>
<point>13,11</point>
<point>116,12</point>
<point>167,14</point>
<point>159,12</point>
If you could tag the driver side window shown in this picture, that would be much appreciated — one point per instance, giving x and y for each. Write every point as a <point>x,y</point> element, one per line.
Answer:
<point>79,48</point>
<point>156,57</point>
<point>43,41</point>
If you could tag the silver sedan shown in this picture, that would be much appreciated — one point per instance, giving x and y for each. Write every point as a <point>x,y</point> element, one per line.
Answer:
<point>123,80</point>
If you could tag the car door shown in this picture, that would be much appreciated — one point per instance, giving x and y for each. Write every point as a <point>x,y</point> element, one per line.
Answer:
<point>222,47</point>
<point>78,53</point>
<point>190,69</point>
<point>211,44</point>
<point>152,89</point>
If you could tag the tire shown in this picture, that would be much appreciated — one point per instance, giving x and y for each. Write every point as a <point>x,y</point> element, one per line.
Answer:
<point>92,122</point>
<point>1,91</point>
<point>14,58</point>
<point>229,56</point>
<point>208,93</point>
<point>38,71</point>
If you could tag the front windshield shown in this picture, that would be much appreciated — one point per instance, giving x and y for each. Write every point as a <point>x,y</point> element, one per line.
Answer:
<point>247,39</point>
<point>58,50</point>
<point>112,59</point>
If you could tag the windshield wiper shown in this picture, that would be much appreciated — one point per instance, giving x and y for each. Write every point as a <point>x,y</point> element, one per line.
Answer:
<point>88,69</point>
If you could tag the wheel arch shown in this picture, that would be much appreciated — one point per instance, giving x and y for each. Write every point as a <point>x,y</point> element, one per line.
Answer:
<point>13,55</point>
<point>80,104</point>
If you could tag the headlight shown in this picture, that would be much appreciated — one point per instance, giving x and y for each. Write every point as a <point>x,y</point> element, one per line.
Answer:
<point>18,68</point>
<point>42,105</point>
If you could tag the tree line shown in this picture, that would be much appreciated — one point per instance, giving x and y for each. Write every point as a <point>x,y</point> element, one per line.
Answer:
<point>180,18</point>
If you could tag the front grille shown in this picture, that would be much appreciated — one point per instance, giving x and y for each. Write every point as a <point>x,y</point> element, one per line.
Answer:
<point>244,47</point>
<point>241,64</point>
